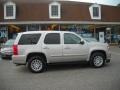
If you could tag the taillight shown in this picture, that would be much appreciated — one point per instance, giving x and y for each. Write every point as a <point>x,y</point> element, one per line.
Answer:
<point>15,49</point>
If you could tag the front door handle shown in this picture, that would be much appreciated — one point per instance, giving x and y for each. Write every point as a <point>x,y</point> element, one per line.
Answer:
<point>67,48</point>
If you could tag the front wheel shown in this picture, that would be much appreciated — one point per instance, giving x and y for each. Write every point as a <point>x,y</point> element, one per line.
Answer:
<point>36,64</point>
<point>97,60</point>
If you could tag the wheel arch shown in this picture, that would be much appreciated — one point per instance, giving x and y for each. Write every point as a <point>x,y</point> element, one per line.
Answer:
<point>36,53</point>
<point>100,51</point>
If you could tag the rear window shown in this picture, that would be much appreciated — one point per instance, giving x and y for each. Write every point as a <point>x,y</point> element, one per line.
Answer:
<point>27,39</point>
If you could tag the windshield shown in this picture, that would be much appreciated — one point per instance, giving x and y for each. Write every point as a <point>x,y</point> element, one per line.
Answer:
<point>88,37</point>
<point>91,39</point>
<point>9,43</point>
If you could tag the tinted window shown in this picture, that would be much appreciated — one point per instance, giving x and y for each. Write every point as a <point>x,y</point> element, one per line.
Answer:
<point>52,38</point>
<point>27,39</point>
<point>71,39</point>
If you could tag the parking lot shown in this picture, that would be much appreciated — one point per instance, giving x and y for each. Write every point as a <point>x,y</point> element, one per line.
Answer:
<point>62,77</point>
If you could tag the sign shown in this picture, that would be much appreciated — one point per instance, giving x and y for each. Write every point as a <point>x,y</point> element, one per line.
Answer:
<point>3,32</point>
<point>101,37</point>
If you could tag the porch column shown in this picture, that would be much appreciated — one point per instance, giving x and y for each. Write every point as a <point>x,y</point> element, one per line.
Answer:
<point>27,28</point>
<point>94,31</point>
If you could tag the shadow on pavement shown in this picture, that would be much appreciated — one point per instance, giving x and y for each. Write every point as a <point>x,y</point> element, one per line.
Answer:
<point>68,66</point>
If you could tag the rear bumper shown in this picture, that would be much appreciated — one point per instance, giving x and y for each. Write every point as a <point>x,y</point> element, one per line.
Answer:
<point>19,59</point>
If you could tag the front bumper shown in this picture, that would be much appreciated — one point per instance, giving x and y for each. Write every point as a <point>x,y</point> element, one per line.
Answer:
<point>6,55</point>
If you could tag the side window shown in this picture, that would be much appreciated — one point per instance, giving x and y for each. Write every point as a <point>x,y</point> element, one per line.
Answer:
<point>52,38</point>
<point>71,39</point>
<point>27,39</point>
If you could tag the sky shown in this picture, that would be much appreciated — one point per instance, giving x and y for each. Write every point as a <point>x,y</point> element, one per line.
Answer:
<point>106,2</point>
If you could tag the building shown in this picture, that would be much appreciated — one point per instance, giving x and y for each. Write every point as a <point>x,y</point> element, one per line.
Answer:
<point>88,19</point>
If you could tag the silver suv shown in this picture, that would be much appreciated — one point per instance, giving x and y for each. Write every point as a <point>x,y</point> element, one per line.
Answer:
<point>36,49</point>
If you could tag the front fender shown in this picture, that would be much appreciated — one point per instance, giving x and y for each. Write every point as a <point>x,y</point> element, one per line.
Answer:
<point>96,49</point>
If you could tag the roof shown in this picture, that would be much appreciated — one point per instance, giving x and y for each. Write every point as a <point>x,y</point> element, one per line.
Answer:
<point>70,11</point>
<point>46,31</point>
<point>30,1</point>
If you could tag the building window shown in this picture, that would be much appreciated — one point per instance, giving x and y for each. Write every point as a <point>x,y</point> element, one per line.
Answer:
<point>9,10</point>
<point>54,10</point>
<point>95,11</point>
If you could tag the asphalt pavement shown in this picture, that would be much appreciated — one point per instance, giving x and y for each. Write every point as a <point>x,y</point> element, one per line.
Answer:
<point>62,77</point>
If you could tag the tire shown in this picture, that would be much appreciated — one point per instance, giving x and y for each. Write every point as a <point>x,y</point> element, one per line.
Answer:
<point>3,57</point>
<point>8,58</point>
<point>97,60</point>
<point>36,64</point>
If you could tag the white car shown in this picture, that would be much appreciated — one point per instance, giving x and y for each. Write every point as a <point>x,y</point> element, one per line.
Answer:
<point>36,49</point>
<point>6,50</point>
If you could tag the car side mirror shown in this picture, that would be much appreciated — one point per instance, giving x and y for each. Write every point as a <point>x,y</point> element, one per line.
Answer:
<point>82,42</point>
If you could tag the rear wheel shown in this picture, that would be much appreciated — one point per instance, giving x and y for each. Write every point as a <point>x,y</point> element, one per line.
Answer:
<point>97,59</point>
<point>36,64</point>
